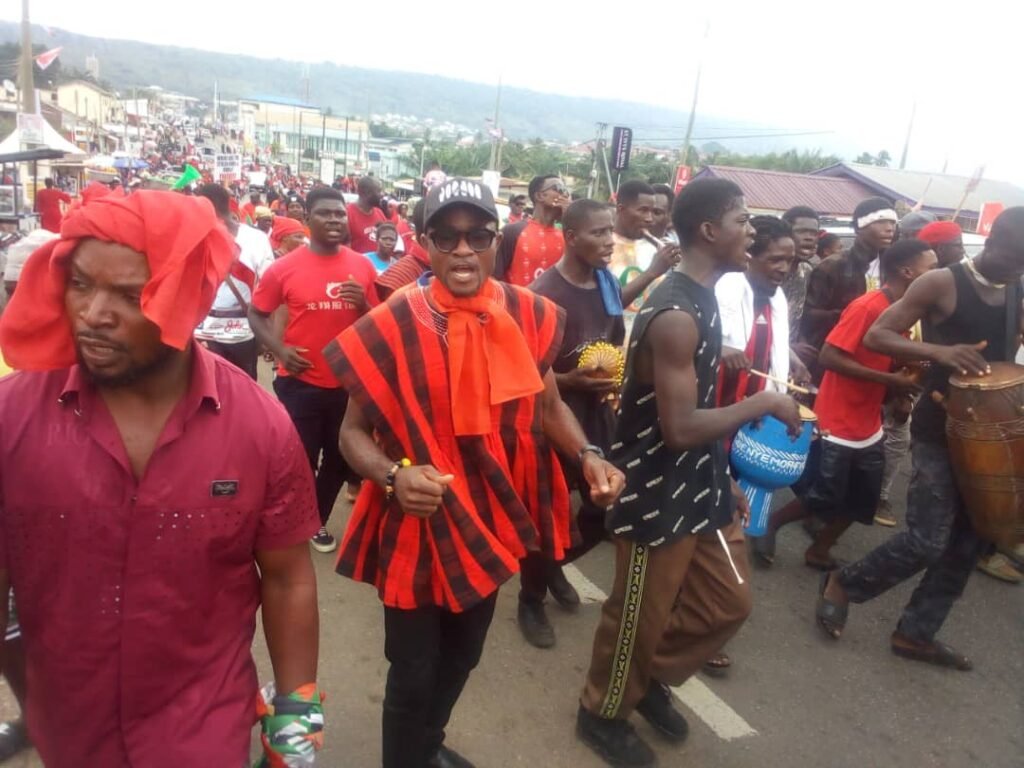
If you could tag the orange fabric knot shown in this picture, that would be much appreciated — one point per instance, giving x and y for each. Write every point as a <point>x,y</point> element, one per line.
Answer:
<point>489,362</point>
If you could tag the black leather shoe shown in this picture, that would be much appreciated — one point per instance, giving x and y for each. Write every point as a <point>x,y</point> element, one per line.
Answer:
<point>656,708</point>
<point>448,758</point>
<point>561,590</point>
<point>614,740</point>
<point>534,624</point>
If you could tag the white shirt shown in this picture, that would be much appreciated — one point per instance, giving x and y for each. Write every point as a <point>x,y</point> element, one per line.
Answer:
<point>735,298</point>
<point>257,255</point>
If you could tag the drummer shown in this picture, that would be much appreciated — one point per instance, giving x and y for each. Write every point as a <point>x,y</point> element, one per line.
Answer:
<point>843,481</point>
<point>755,334</point>
<point>971,314</point>
<point>755,316</point>
<point>582,285</point>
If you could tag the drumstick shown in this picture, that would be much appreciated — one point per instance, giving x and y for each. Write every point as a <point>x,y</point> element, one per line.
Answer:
<point>794,387</point>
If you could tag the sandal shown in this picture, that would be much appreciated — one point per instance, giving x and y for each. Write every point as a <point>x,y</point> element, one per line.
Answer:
<point>811,561</point>
<point>939,654</point>
<point>831,617</point>
<point>718,665</point>
<point>763,548</point>
<point>13,739</point>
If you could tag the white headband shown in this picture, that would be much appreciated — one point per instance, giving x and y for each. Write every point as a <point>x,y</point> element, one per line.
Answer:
<point>886,214</point>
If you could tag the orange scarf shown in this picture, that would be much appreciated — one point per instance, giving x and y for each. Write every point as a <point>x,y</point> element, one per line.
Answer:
<point>489,362</point>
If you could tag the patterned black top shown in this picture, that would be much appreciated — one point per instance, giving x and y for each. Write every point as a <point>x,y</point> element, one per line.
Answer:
<point>670,494</point>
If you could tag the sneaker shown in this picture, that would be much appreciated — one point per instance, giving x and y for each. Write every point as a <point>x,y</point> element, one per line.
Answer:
<point>884,515</point>
<point>615,741</point>
<point>323,541</point>
<point>656,708</point>
<point>998,566</point>
<point>533,623</point>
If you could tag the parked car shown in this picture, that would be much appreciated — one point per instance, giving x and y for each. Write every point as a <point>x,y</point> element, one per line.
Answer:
<point>973,243</point>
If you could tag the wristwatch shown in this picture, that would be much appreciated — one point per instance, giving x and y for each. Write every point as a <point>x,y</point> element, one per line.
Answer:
<point>590,448</point>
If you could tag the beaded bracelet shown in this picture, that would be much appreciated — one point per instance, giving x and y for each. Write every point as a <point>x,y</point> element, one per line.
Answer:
<point>389,478</point>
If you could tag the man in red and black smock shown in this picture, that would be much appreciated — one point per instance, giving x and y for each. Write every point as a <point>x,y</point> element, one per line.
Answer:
<point>457,495</point>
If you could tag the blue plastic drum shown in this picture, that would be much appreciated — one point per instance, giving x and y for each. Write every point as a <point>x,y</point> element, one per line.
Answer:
<point>764,458</point>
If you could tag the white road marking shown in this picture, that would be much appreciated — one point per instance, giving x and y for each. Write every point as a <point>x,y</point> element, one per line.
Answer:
<point>698,698</point>
<point>716,714</point>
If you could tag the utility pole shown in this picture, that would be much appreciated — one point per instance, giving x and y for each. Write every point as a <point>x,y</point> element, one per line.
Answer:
<point>323,140</point>
<point>594,185</point>
<point>298,150</point>
<point>28,90</point>
<point>345,154</point>
<point>910,130</point>
<point>696,93</point>
<point>496,141</point>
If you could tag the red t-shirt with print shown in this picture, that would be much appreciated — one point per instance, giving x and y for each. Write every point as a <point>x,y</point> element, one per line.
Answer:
<point>309,284</point>
<point>851,409</point>
<point>362,228</point>
<point>538,248</point>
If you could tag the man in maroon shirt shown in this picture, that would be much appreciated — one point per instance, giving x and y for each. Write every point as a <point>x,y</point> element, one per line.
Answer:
<point>364,215</point>
<point>184,500</point>
<point>48,202</point>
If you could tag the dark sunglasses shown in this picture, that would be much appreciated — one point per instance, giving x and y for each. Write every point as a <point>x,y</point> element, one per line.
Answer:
<point>447,241</point>
<point>559,188</point>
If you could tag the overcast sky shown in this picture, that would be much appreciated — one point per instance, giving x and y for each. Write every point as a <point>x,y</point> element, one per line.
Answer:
<point>853,68</point>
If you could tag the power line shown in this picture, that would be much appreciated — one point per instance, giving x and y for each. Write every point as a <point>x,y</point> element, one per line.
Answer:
<point>737,136</point>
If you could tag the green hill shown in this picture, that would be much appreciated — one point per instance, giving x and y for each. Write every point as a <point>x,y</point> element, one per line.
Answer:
<point>350,90</point>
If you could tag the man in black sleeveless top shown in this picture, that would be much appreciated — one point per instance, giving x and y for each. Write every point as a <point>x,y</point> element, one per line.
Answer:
<point>971,316</point>
<point>680,587</point>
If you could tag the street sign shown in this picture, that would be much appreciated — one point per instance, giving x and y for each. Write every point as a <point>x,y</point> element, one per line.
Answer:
<point>622,145</point>
<point>682,178</point>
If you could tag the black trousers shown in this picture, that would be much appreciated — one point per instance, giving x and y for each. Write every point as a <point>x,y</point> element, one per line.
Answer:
<point>243,354</point>
<point>431,651</point>
<point>535,568</point>
<point>317,413</point>
<point>939,540</point>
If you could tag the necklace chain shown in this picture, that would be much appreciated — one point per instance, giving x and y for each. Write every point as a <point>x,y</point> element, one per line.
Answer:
<point>980,277</point>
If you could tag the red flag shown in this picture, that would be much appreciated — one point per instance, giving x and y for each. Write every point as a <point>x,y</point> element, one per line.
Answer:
<point>46,58</point>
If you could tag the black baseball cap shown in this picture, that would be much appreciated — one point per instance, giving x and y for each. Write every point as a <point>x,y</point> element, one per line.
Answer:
<point>459,191</point>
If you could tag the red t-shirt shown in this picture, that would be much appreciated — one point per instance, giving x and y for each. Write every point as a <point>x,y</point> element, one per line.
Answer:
<point>362,228</point>
<point>309,284</point>
<point>538,248</point>
<point>48,205</point>
<point>851,409</point>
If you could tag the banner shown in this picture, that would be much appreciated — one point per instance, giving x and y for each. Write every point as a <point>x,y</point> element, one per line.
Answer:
<point>30,128</point>
<point>227,167</point>
<point>989,212</point>
<point>682,178</point>
<point>622,145</point>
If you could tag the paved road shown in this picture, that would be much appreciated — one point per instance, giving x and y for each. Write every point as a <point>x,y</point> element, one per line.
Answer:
<point>813,703</point>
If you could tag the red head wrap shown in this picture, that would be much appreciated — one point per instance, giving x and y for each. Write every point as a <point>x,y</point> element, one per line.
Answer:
<point>188,249</point>
<point>284,226</point>
<point>939,232</point>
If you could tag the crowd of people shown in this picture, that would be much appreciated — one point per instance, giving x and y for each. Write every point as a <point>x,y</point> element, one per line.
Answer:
<point>497,399</point>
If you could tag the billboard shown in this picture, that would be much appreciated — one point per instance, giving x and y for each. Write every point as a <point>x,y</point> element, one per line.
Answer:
<point>622,145</point>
